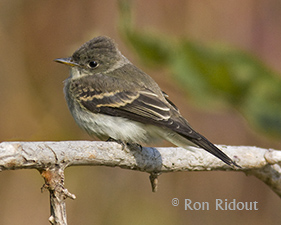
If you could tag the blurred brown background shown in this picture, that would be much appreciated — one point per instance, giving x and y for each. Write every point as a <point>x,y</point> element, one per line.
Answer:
<point>33,33</point>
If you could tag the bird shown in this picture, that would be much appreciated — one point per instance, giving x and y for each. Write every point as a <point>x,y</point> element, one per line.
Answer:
<point>112,99</point>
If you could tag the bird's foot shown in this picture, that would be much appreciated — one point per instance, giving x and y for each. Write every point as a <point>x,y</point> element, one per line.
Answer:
<point>126,146</point>
<point>134,146</point>
<point>110,139</point>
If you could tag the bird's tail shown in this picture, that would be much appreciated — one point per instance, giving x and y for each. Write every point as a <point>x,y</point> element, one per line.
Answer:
<point>211,148</point>
<point>193,138</point>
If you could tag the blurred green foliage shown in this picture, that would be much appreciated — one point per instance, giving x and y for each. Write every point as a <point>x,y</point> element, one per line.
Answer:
<point>211,74</point>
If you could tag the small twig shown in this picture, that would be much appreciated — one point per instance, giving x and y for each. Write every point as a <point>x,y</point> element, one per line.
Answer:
<point>54,182</point>
<point>154,181</point>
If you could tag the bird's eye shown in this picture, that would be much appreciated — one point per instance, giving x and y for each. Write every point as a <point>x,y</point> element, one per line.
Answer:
<point>93,64</point>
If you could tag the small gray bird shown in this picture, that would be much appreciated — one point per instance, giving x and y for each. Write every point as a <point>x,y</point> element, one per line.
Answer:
<point>112,99</point>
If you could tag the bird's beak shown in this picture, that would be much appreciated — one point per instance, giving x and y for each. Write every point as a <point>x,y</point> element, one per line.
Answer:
<point>66,61</point>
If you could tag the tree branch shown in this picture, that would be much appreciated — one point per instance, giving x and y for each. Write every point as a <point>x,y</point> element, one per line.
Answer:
<point>54,182</point>
<point>51,158</point>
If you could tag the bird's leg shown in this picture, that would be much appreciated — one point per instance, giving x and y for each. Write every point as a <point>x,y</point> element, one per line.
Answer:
<point>129,145</point>
<point>134,146</point>
<point>110,139</point>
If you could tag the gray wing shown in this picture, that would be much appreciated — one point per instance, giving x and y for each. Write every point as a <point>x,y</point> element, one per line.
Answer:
<point>142,105</point>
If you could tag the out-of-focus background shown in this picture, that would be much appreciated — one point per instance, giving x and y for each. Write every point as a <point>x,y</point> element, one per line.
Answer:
<point>218,60</point>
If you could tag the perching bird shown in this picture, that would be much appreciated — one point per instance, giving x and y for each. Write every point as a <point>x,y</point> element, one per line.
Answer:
<point>109,97</point>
